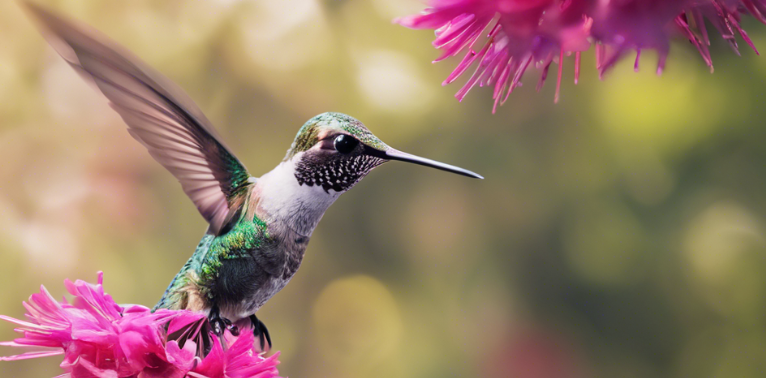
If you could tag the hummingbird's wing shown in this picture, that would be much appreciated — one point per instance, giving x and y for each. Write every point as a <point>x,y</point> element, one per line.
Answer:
<point>159,115</point>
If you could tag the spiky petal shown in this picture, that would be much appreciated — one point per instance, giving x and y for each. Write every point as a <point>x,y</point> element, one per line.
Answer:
<point>524,33</point>
<point>519,34</point>
<point>99,338</point>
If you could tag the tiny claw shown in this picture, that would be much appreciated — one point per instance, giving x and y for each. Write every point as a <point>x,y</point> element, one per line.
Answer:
<point>217,323</point>
<point>265,336</point>
<point>261,332</point>
<point>217,327</point>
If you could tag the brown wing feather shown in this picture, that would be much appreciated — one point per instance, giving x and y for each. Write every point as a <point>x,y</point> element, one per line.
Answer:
<point>159,115</point>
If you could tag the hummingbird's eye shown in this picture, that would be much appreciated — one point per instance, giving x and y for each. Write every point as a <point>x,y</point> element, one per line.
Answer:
<point>345,144</point>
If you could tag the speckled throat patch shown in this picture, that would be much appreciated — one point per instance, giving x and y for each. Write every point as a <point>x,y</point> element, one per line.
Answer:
<point>339,173</point>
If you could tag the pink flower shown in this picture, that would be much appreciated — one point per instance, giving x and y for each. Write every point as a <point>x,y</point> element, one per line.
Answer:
<point>524,33</point>
<point>99,338</point>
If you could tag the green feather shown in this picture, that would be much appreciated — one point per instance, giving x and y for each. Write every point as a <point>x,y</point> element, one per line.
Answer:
<point>204,265</point>
<point>238,243</point>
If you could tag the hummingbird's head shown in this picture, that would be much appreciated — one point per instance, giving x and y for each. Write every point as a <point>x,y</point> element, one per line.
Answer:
<point>335,151</point>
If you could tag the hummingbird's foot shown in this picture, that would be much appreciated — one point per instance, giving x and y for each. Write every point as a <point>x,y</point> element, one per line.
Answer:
<point>217,323</point>
<point>234,330</point>
<point>260,332</point>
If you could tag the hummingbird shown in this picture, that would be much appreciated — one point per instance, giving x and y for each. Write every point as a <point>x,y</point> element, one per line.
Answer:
<point>258,228</point>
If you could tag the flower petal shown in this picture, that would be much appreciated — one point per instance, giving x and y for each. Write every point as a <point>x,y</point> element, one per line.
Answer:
<point>99,338</point>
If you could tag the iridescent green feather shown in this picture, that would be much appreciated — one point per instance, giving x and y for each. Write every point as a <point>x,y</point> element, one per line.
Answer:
<point>243,238</point>
<point>204,265</point>
<point>237,177</point>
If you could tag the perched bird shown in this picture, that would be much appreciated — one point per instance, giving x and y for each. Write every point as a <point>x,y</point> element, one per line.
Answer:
<point>258,227</point>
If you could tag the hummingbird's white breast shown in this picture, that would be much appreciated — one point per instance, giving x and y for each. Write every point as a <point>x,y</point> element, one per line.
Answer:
<point>282,200</point>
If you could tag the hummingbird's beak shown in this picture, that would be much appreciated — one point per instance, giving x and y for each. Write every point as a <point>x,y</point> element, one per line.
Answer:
<point>392,154</point>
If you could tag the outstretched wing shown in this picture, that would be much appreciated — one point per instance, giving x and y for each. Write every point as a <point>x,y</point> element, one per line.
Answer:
<point>159,115</point>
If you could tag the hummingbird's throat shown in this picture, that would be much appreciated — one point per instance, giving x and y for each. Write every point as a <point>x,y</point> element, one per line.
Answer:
<point>339,173</point>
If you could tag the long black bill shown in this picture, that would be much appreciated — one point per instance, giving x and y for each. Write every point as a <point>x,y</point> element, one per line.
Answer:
<point>392,154</point>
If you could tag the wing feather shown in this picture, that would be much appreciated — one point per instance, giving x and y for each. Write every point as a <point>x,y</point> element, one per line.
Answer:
<point>158,114</point>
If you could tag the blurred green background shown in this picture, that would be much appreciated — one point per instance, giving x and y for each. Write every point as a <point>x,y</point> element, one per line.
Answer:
<point>619,233</point>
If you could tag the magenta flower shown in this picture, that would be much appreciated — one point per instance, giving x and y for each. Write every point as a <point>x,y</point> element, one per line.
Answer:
<point>524,33</point>
<point>99,338</point>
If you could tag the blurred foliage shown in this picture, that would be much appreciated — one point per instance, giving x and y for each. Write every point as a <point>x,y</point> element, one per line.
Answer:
<point>620,233</point>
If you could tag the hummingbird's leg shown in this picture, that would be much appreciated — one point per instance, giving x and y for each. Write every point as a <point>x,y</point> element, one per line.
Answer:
<point>260,331</point>
<point>217,322</point>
